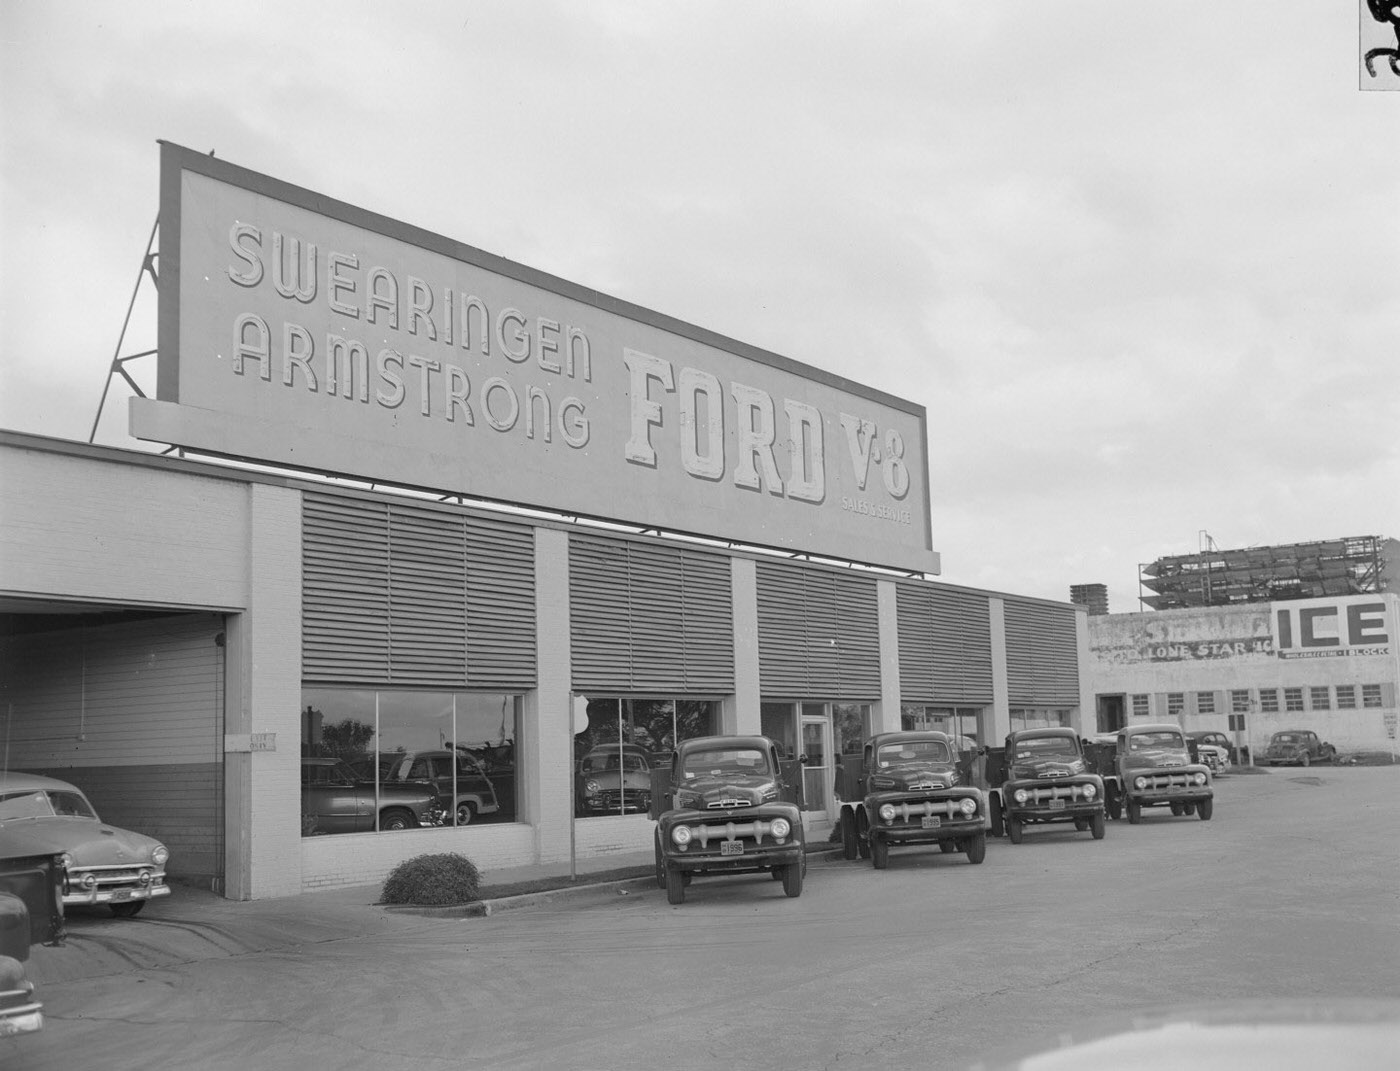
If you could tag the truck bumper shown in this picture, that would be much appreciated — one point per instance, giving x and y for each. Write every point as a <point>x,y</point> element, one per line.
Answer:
<point>948,829</point>
<point>750,860</point>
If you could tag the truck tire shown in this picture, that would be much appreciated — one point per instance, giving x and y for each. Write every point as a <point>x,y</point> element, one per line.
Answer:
<point>1096,826</point>
<point>1177,808</point>
<point>1013,829</point>
<point>675,885</point>
<point>660,862</point>
<point>1134,812</point>
<point>863,836</point>
<point>879,853</point>
<point>792,879</point>
<point>948,847</point>
<point>994,810</point>
<point>977,847</point>
<point>849,847</point>
<point>1114,803</point>
<point>1205,808</point>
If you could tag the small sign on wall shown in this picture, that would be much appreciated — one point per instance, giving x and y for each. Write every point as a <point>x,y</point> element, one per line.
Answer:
<point>243,742</point>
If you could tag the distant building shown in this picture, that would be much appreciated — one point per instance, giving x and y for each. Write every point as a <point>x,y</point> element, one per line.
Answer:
<point>1093,597</point>
<point>1355,565</point>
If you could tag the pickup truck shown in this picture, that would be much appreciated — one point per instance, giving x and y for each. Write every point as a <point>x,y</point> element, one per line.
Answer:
<point>1149,766</point>
<point>907,790</point>
<point>727,805</point>
<point>1043,777</point>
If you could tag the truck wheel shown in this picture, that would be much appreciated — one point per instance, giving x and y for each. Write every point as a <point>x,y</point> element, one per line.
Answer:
<point>1013,829</point>
<point>948,847</point>
<point>879,853</point>
<point>998,825</point>
<point>863,836</point>
<point>1081,824</point>
<point>1134,812</point>
<point>1177,809</point>
<point>776,872</point>
<point>1205,808</point>
<point>1188,809</point>
<point>977,848</point>
<point>1096,826</point>
<point>848,834</point>
<point>1114,803</point>
<point>675,885</point>
<point>660,862</point>
<point>792,879</point>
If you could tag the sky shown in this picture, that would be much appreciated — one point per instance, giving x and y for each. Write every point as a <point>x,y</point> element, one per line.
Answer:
<point>1138,261</point>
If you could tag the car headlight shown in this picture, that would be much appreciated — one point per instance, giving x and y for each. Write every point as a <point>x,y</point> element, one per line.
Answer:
<point>1090,791</point>
<point>1200,779</point>
<point>968,806</point>
<point>592,787</point>
<point>887,812</point>
<point>780,828</point>
<point>1140,783</point>
<point>65,860</point>
<point>681,835</point>
<point>159,854</point>
<point>1021,795</point>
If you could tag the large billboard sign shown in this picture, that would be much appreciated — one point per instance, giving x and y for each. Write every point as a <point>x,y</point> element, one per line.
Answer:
<point>302,331</point>
<point>1347,627</point>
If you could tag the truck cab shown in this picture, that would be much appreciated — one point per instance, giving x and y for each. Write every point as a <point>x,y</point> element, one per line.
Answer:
<point>728,804</point>
<point>908,790</point>
<point>1152,768</point>
<point>1043,777</point>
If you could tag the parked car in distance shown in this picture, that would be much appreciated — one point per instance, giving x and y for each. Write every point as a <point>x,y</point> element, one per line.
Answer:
<point>1215,756</point>
<point>1300,747</point>
<point>472,791</point>
<point>102,864</point>
<point>31,912</point>
<point>1214,739</point>
<point>335,799</point>
<point>613,779</point>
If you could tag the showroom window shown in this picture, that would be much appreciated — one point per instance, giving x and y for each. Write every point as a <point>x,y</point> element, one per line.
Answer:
<point>1371,695</point>
<point>1293,699</point>
<point>1321,698</point>
<point>1239,701</point>
<point>1268,700</point>
<point>623,740</point>
<point>1142,705</point>
<point>1205,702</point>
<point>1039,717</point>
<point>391,760</point>
<point>1346,697</point>
<point>963,724</point>
<point>1176,703</point>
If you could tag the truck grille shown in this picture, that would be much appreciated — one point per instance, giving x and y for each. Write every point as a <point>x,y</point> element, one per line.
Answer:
<point>1046,793</point>
<point>915,812</point>
<point>1166,782</point>
<point>753,834</point>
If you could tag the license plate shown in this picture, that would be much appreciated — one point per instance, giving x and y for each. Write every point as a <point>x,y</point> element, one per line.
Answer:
<point>1057,805</point>
<point>121,894</point>
<point>731,847</point>
<point>932,823</point>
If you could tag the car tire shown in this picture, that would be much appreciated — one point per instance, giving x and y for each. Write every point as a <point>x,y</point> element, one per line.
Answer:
<point>849,848</point>
<point>1205,808</point>
<point>466,812</point>
<point>997,823</point>
<point>396,820</point>
<point>128,910</point>
<point>660,861</point>
<point>1134,812</point>
<point>792,880</point>
<point>977,847</point>
<point>1305,759</point>
<point>675,885</point>
<point>1096,826</point>
<point>879,853</point>
<point>1014,830</point>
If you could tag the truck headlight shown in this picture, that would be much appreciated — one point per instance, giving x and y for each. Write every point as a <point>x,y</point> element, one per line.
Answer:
<point>1140,783</point>
<point>681,835</point>
<point>887,812</point>
<point>1090,792</point>
<point>968,806</point>
<point>780,828</point>
<point>1200,779</point>
<point>1021,795</point>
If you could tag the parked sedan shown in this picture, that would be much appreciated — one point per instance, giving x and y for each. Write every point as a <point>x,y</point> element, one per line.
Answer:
<point>1300,747</point>
<point>334,799</point>
<point>458,776</point>
<point>102,864</point>
<point>1215,739</point>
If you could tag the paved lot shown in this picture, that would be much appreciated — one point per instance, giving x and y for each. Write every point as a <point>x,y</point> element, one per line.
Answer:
<point>1289,892</point>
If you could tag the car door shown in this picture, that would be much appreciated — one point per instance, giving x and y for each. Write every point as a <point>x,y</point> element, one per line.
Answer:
<point>335,801</point>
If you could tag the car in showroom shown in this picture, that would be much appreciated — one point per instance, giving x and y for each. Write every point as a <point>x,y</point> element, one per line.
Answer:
<point>458,776</point>
<point>336,799</point>
<point>102,864</point>
<point>1298,747</point>
<point>613,779</point>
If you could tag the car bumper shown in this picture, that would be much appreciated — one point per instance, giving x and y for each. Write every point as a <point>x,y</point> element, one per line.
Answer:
<point>99,895</point>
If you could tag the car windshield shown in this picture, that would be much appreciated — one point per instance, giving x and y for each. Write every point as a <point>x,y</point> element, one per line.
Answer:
<point>906,751</point>
<point>597,761</point>
<point>1046,747</point>
<point>721,761</point>
<point>1155,741</point>
<point>41,804</point>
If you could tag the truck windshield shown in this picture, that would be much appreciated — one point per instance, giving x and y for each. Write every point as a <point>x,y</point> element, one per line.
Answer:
<point>913,751</point>
<point>1155,741</point>
<point>1049,747</point>
<point>749,761</point>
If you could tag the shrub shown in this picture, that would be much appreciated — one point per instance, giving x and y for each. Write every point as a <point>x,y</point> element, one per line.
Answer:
<point>445,878</point>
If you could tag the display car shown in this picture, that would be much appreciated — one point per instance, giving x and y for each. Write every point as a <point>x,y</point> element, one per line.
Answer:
<point>335,799</point>
<point>1298,747</point>
<point>1046,780</point>
<point>102,864</point>
<point>31,912</point>
<point>729,805</point>
<point>613,779</point>
<point>471,792</point>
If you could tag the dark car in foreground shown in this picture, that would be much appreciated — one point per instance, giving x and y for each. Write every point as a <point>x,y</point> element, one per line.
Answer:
<point>31,912</point>
<point>334,799</point>
<point>1298,747</point>
<point>103,864</point>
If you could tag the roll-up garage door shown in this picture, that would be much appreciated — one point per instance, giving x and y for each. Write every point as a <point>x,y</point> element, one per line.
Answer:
<point>649,617</point>
<point>132,713</point>
<point>945,645</point>
<point>818,633</point>
<point>395,593</point>
<point>1042,654</point>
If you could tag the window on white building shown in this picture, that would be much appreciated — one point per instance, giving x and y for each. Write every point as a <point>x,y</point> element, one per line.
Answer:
<point>1176,703</point>
<point>1141,706</point>
<point>1205,702</point>
<point>1346,697</point>
<point>1268,700</point>
<point>1239,701</point>
<point>1320,697</point>
<point>1293,699</point>
<point>1371,695</point>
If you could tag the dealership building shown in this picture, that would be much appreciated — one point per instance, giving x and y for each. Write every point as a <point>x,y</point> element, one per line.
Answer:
<point>433,516</point>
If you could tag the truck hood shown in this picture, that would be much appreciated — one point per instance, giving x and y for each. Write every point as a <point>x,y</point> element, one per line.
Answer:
<point>914,777</point>
<point>1156,758</point>
<point>729,790</point>
<point>1026,771</point>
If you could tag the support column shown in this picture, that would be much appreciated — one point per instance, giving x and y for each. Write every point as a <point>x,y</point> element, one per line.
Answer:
<point>741,711</point>
<point>1001,689</point>
<point>886,715</point>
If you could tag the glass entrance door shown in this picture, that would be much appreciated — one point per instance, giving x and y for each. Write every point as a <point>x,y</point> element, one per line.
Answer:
<point>817,772</point>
